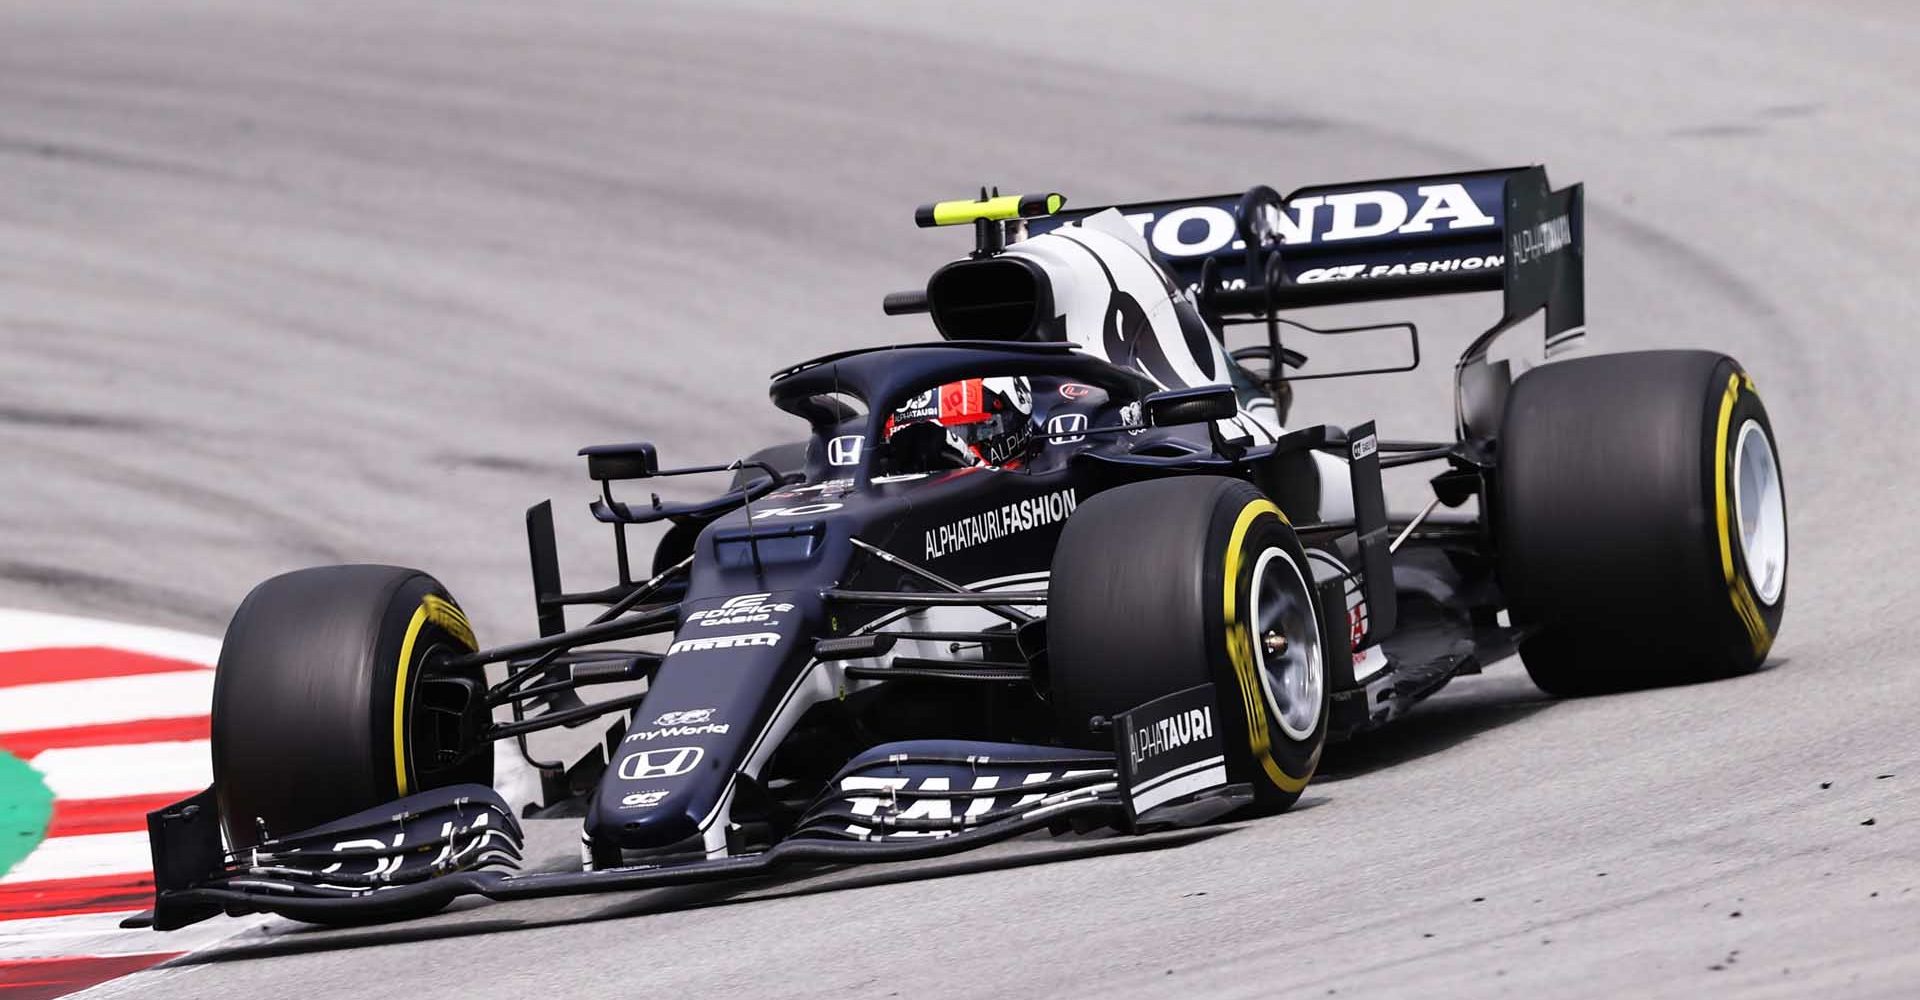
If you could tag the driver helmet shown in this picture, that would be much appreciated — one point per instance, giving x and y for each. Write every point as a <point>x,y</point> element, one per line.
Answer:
<point>976,421</point>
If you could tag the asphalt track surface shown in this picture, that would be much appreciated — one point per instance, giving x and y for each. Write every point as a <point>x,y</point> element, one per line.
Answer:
<point>284,284</point>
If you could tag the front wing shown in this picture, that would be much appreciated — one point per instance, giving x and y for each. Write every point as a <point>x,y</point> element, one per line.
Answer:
<point>899,802</point>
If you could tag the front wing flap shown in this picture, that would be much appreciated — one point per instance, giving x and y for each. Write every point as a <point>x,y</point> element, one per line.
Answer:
<point>407,842</point>
<point>900,802</point>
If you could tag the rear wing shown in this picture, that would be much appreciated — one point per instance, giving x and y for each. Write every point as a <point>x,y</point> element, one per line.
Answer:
<point>1488,230</point>
<point>1482,231</point>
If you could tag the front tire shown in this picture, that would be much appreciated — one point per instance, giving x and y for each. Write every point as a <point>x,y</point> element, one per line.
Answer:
<point>1164,585</point>
<point>323,704</point>
<point>1641,521</point>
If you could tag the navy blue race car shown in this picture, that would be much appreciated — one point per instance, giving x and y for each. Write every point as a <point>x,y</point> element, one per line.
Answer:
<point>1070,567</point>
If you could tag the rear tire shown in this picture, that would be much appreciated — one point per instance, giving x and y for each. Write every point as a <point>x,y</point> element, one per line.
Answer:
<point>1156,587</point>
<point>322,706</point>
<point>1641,521</point>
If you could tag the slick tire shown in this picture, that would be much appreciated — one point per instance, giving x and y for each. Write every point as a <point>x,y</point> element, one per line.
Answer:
<point>1164,585</point>
<point>325,702</point>
<point>1641,521</point>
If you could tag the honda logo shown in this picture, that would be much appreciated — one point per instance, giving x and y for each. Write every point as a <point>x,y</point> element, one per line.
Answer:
<point>1069,426</point>
<point>844,450</point>
<point>671,762</point>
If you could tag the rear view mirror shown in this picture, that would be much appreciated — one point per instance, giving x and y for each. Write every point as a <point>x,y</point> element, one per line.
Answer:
<point>610,462</point>
<point>1197,405</point>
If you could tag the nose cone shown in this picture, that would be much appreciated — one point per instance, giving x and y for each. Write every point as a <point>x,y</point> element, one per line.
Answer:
<point>669,780</point>
<point>656,797</point>
<point>669,776</point>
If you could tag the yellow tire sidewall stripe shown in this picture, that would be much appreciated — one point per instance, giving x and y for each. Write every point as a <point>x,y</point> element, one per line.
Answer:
<point>1240,654</point>
<point>448,615</point>
<point>1744,606</point>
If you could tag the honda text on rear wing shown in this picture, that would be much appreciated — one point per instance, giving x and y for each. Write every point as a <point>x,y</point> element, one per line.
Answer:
<point>1258,252</point>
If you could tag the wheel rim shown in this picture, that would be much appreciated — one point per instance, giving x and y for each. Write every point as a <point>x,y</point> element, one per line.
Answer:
<point>437,707</point>
<point>1760,506</point>
<point>1286,641</point>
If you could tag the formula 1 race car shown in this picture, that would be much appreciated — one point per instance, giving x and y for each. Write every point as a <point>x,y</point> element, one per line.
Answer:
<point>1070,568</point>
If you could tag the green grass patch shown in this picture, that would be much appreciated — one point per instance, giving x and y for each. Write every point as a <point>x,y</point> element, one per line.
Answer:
<point>25,805</point>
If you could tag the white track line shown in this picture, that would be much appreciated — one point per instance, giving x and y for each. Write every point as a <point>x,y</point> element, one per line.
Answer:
<point>82,857</point>
<point>64,704</point>
<point>38,630</point>
<point>133,769</point>
<point>99,934</point>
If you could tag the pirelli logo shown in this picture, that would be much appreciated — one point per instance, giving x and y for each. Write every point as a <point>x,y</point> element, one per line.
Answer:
<point>724,642</point>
